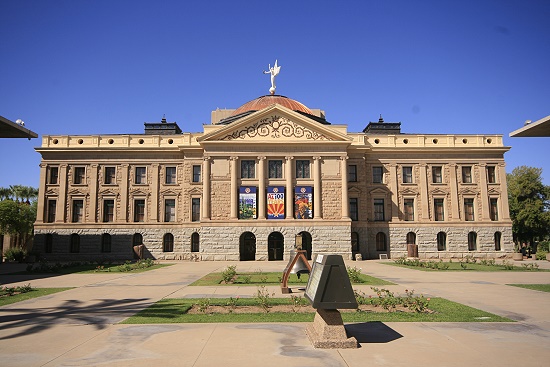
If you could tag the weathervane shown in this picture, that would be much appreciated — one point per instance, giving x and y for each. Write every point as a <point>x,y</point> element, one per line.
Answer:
<point>274,71</point>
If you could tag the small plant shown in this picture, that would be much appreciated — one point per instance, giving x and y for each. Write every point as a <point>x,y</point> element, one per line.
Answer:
<point>464,265</point>
<point>203,305</point>
<point>246,279</point>
<point>531,266</point>
<point>263,297</point>
<point>263,279</point>
<point>354,274</point>
<point>229,274</point>
<point>99,268</point>
<point>127,266</point>
<point>507,265</point>
<point>297,302</point>
<point>232,303</point>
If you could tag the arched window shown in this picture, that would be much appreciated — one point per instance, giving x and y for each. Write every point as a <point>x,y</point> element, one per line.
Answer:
<point>354,242</point>
<point>105,242</point>
<point>168,243</point>
<point>48,243</point>
<point>411,238</point>
<point>498,238</point>
<point>472,241</point>
<point>75,243</point>
<point>381,241</point>
<point>441,241</point>
<point>195,243</point>
<point>137,239</point>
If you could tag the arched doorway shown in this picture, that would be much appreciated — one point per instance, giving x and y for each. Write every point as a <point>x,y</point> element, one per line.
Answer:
<point>306,243</point>
<point>412,247</point>
<point>275,245</point>
<point>137,240</point>
<point>247,247</point>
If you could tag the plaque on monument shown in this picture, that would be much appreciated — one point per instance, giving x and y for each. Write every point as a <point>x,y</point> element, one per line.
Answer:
<point>329,286</point>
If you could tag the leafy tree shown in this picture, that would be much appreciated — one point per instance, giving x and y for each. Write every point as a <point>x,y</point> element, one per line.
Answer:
<point>17,219</point>
<point>529,204</point>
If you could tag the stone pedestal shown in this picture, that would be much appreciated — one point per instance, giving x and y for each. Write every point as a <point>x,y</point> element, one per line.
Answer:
<point>327,331</point>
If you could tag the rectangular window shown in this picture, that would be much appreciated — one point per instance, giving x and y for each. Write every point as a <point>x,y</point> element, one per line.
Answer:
<point>379,209</point>
<point>170,210</point>
<point>79,174</point>
<point>469,210</point>
<point>353,209</point>
<point>439,211</point>
<point>170,175</point>
<point>195,209</point>
<point>352,173</point>
<point>377,174</point>
<point>53,175</point>
<point>141,175</point>
<point>50,216</point>
<point>78,210</point>
<point>110,177</point>
<point>437,176</point>
<point>407,175</point>
<point>108,210</point>
<point>493,207</point>
<point>302,168</point>
<point>275,169</point>
<point>248,169</point>
<point>491,176</point>
<point>196,173</point>
<point>409,209</point>
<point>139,210</point>
<point>466,174</point>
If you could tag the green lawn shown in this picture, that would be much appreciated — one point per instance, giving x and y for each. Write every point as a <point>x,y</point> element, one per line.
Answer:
<point>35,292</point>
<point>272,278</point>
<point>535,287</point>
<point>174,311</point>
<point>92,269</point>
<point>457,266</point>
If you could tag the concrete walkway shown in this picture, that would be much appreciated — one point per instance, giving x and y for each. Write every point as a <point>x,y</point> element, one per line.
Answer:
<point>79,327</point>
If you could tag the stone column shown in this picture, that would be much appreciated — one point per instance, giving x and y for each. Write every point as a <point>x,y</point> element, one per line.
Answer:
<point>317,197</point>
<point>424,193</point>
<point>345,199</point>
<point>206,188</point>
<point>124,182</point>
<point>154,193</point>
<point>261,188</point>
<point>455,204</point>
<point>62,198</point>
<point>394,196</point>
<point>484,195</point>
<point>289,189</point>
<point>504,205</point>
<point>93,193</point>
<point>234,197</point>
<point>40,213</point>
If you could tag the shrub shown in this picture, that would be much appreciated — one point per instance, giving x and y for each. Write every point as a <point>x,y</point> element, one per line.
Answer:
<point>263,297</point>
<point>354,274</point>
<point>229,273</point>
<point>15,254</point>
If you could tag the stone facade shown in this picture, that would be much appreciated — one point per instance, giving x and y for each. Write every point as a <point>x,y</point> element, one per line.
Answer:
<point>178,194</point>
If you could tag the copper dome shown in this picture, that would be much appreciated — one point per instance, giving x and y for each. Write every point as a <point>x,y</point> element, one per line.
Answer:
<point>266,101</point>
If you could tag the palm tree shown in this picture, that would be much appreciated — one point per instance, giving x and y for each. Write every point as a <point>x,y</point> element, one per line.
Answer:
<point>5,193</point>
<point>28,193</point>
<point>17,191</point>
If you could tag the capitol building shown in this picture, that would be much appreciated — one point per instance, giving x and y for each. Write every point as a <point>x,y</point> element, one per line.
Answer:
<point>266,176</point>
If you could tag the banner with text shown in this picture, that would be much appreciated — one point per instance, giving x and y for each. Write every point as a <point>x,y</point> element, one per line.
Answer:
<point>276,202</point>
<point>303,202</point>
<point>247,202</point>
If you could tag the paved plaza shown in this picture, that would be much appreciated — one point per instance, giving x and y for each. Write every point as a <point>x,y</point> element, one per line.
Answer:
<point>79,327</point>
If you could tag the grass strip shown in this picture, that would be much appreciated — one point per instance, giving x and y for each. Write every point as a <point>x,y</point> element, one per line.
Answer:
<point>535,287</point>
<point>272,278</point>
<point>91,269</point>
<point>174,311</point>
<point>34,293</point>
<point>456,266</point>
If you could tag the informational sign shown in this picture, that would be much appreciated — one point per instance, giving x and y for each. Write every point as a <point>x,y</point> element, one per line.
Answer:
<point>328,286</point>
<point>247,202</point>
<point>276,202</point>
<point>303,202</point>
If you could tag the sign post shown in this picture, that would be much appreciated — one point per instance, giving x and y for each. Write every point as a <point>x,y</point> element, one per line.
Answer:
<point>329,289</point>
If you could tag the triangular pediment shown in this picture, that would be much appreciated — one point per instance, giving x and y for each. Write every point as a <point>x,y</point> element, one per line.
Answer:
<point>468,192</point>
<point>195,191</point>
<point>378,191</point>
<point>169,192</point>
<point>493,191</point>
<point>354,190</point>
<point>408,191</point>
<point>273,125</point>
<point>51,192</point>
<point>108,192</point>
<point>438,192</point>
<point>139,192</point>
<point>76,192</point>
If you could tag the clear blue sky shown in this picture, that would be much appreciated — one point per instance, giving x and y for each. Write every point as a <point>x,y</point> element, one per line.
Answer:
<point>107,66</point>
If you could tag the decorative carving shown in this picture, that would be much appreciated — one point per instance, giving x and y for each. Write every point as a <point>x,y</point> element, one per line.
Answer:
<point>275,127</point>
